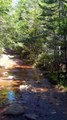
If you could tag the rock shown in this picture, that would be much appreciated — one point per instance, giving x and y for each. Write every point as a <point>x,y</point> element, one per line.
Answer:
<point>31,116</point>
<point>24,87</point>
<point>61,88</point>
<point>53,112</point>
<point>10,77</point>
<point>14,109</point>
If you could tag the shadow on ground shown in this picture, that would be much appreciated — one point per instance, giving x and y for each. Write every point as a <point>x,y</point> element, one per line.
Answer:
<point>26,95</point>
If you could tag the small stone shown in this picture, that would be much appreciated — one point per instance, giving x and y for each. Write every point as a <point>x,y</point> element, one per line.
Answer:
<point>61,89</point>
<point>31,116</point>
<point>38,82</point>
<point>24,87</point>
<point>10,77</point>
<point>14,109</point>
<point>53,112</point>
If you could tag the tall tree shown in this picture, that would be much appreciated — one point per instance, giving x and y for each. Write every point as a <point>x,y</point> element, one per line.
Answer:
<point>54,21</point>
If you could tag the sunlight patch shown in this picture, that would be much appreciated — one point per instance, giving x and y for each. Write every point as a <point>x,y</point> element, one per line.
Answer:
<point>24,87</point>
<point>41,90</point>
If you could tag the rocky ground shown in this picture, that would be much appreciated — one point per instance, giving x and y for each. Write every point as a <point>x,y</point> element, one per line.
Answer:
<point>26,95</point>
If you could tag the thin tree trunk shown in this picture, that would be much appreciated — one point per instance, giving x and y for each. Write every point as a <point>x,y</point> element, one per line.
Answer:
<point>65,55</point>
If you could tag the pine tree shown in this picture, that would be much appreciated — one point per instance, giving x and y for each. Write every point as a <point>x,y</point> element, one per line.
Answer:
<point>54,21</point>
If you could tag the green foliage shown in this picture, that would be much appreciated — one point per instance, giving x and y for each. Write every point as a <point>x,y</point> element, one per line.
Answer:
<point>37,31</point>
<point>54,21</point>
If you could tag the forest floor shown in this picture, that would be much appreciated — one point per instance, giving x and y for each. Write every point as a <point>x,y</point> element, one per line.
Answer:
<point>26,95</point>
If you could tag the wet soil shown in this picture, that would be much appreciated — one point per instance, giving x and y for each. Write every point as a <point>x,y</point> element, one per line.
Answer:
<point>24,86</point>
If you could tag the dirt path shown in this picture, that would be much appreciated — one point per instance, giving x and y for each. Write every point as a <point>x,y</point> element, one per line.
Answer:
<point>26,95</point>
